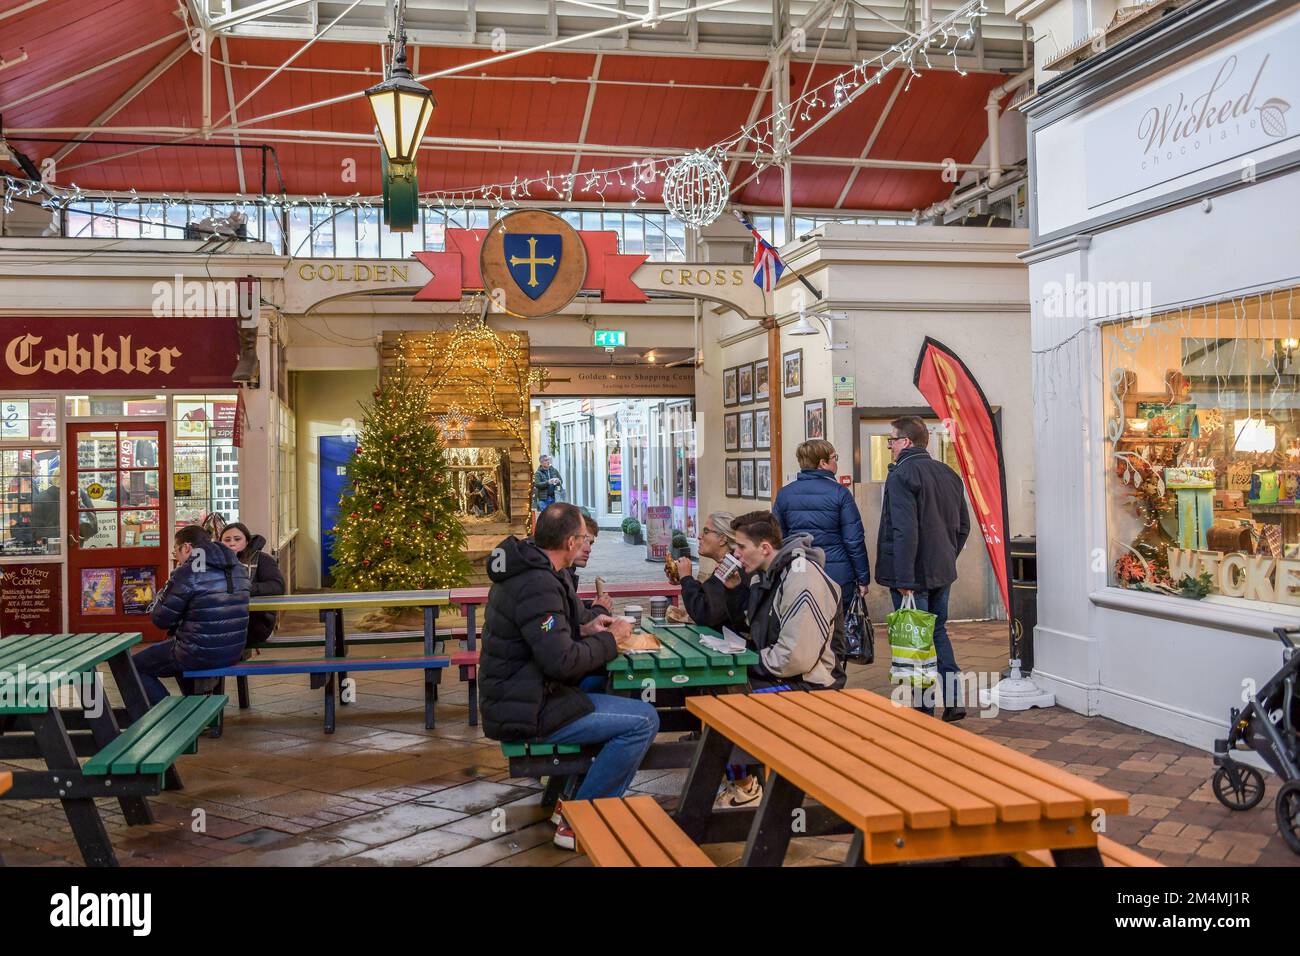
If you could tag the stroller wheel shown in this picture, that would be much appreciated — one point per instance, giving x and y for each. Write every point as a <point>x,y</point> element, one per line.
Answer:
<point>1288,814</point>
<point>1241,793</point>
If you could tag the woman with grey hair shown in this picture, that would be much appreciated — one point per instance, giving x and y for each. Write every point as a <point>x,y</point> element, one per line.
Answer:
<point>716,601</point>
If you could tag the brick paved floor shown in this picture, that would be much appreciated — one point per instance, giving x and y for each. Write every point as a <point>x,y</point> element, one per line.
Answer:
<point>275,790</point>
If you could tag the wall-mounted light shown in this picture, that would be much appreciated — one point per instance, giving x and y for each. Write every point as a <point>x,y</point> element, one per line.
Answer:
<point>805,326</point>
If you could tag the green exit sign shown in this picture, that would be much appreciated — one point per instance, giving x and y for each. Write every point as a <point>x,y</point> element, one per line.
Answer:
<point>608,338</point>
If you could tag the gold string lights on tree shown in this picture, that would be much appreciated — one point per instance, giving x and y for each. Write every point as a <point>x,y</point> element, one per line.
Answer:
<point>478,363</point>
<point>398,527</point>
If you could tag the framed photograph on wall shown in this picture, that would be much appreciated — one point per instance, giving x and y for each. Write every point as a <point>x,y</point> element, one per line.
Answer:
<point>761,393</point>
<point>747,477</point>
<point>746,383</point>
<point>763,478</point>
<point>762,429</point>
<point>792,373</point>
<point>814,419</point>
<point>729,395</point>
<point>746,431</point>
<point>731,432</point>
<point>731,478</point>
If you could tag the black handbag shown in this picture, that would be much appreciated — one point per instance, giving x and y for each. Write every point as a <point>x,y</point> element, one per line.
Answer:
<point>858,634</point>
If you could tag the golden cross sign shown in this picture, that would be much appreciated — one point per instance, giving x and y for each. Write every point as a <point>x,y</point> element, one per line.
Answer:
<point>532,261</point>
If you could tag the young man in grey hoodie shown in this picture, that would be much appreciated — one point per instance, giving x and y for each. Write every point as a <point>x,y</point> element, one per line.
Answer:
<point>795,620</point>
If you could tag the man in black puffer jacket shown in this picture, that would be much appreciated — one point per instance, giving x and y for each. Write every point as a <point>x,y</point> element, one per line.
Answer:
<point>203,607</point>
<point>536,651</point>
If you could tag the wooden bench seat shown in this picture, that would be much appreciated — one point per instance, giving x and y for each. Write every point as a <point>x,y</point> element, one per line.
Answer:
<point>634,831</point>
<point>154,742</point>
<point>1112,854</point>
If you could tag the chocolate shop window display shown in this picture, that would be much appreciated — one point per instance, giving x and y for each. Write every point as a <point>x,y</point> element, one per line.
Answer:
<point>1203,444</point>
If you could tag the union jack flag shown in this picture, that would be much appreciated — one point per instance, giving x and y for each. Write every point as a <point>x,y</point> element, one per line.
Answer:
<point>767,264</point>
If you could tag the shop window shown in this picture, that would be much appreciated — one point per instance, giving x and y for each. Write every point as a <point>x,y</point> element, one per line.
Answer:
<point>30,502</point>
<point>29,419</point>
<point>205,462</point>
<point>1203,453</point>
<point>286,475</point>
<point>115,406</point>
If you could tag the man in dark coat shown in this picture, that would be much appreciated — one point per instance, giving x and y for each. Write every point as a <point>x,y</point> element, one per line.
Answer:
<point>924,525</point>
<point>203,607</point>
<point>546,483</point>
<point>815,503</point>
<point>602,603</point>
<point>535,653</point>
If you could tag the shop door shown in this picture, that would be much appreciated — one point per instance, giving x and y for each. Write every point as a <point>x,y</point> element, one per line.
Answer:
<point>118,554</point>
<point>976,594</point>
<point>335,455</point>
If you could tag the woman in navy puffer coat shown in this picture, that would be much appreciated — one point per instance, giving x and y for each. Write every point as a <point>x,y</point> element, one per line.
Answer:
<point>204,609</point>
<point>816,504</point>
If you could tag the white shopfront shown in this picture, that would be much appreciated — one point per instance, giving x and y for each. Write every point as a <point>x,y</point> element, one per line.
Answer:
<point>1165,278</point>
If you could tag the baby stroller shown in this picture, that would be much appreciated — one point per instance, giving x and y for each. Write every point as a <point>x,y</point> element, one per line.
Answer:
<point>1269,725</point>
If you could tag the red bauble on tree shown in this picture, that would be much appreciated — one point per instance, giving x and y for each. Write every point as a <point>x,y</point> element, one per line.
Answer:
<point>379,506</point>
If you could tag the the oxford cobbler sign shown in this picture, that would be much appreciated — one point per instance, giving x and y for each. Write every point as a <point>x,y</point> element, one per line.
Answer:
<point>57,352</point>
<point>1228,106</point>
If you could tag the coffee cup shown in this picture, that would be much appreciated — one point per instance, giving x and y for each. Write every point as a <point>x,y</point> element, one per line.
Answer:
<point>658,608</point>
<point>633,612</point>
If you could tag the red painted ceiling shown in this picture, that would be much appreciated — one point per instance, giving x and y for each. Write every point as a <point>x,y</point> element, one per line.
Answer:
<point>535,99</point>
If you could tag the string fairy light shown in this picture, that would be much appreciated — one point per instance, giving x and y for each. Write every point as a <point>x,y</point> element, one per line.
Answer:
<point>766,138</point>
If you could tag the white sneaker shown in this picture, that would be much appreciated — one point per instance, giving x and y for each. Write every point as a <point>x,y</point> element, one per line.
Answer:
<point>564,837</point>
<point>741,794</point>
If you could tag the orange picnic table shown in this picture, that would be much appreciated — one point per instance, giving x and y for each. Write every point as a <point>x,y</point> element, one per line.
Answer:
<point>908,787</point>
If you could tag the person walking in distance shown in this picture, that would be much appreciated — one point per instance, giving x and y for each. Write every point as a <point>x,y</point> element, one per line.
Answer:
<point>546,484</point>
<point>924,525</point>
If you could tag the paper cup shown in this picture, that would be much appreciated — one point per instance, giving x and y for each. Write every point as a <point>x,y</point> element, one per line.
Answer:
<point>658,608</point>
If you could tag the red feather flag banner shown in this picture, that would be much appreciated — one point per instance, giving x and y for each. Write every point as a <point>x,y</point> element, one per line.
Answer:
<point>956,397</point>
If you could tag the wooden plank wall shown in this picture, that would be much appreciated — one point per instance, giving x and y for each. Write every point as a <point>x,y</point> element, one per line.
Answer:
<point>425,355</point>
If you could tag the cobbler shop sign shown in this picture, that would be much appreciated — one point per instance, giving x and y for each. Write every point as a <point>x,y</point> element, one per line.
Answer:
<point>1234,102</point>
<point>57,352</point>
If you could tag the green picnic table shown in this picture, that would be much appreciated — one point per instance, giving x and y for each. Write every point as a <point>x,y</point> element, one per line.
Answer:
<point>128,764</point>
<point>681,668</point>
<point>681,662</point>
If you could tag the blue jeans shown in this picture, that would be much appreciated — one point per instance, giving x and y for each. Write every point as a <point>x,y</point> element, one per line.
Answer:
<point>626,726</point>
<point>936,602</point>
<point>159,660</point>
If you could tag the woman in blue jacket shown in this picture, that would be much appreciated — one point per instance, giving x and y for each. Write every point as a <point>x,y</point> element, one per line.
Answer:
<point>816,503</point>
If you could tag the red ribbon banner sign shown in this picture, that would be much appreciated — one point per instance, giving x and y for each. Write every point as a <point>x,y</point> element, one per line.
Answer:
<point>956,397</point>
<point>457,269</point>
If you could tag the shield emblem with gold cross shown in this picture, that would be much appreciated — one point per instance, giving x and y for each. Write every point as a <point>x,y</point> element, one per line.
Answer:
<point>533,259</point>
<point>533,263</point>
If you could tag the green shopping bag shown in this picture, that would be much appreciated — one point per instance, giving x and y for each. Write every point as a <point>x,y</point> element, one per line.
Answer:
<point>911,645</point>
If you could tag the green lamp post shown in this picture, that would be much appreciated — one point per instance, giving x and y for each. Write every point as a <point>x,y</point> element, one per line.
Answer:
<point>402,109</point>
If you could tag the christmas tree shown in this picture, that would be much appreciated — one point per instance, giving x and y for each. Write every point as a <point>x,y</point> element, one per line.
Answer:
<point>398,529</point>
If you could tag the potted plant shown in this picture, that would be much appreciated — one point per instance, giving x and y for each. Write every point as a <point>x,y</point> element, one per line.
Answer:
<point>632,531</point>
<point>681,547</point>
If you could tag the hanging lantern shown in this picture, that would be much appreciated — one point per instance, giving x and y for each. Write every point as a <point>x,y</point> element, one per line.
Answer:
<point>402,107</point>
